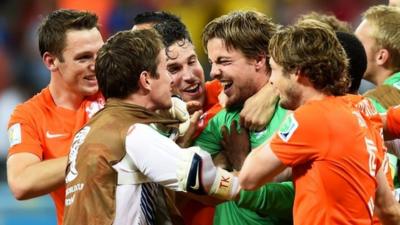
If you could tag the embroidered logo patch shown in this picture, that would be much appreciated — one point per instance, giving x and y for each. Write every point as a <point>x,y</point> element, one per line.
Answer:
<point>14,134</point>
<point>288,128</point>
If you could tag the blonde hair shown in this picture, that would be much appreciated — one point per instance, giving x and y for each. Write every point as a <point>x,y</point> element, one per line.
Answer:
<point>385,24</point>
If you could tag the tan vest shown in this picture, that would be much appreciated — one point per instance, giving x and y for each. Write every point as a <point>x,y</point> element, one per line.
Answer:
<point>90,195</point>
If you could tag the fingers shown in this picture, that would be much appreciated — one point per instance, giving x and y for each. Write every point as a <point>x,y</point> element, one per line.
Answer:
<point>193,106</point>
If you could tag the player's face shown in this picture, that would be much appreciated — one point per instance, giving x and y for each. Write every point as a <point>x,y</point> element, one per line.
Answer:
<point>363,33</point>
<point>161,87</point>
<point>77,68</point>
<point>186,72</point>
<point>236,72</point>
<point>290,97</point>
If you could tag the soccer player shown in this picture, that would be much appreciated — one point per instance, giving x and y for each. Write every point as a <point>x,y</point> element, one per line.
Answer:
<point>41,129</point>
<point>309,70</point>
<point>119,163</point>
<point>236,45</point>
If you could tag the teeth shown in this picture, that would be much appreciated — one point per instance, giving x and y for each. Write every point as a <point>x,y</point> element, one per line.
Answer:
<point>226,83</point>
<point>192,88</point>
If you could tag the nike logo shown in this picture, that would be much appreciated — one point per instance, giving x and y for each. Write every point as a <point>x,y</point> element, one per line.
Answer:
<point>196,185</point>
<point>50,135</point>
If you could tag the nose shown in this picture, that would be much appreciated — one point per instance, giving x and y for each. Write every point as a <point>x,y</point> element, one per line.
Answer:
<point>215,72</point>
<point>188,75</point>
<point>92,65</point>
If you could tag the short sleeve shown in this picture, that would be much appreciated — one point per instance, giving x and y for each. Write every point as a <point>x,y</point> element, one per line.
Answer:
<point>302,137</point>
<point>23,135</point>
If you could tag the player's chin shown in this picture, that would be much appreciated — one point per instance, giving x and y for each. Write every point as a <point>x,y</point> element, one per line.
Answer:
<point>89,91</point>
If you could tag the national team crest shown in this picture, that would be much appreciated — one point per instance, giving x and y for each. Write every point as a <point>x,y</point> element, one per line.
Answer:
<point>288,128</point>
<point>14,134</point>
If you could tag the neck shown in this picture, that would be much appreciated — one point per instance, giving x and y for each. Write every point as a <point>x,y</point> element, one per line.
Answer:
<point>141,100</point>
<point>65,97</point>
<point>311,94</point>
<point>381,76</point>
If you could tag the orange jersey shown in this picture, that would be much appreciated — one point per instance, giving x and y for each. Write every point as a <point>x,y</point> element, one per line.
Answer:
<point>211,105</point>
<point>365,106</point>
<point>332,152</point>
<point>39,127</point>
<point>393,121</point>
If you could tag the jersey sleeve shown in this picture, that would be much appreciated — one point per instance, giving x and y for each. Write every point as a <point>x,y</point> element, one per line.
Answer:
<point>302,137</point>
<point>274,199</point>
<point>23,135</point>
<point>393,121</point>
<point>156,156</point>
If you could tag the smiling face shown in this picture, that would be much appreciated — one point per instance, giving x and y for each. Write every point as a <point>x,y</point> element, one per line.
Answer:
<point>290,96</point>
<point>186,72</point>
<point>239,75</point>
<point>76,69</point>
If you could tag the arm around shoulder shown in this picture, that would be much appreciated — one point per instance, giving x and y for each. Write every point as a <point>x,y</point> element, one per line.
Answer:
<point>260,167</point>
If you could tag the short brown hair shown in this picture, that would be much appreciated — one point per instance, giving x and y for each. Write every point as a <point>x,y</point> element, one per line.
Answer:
<point>53,28</point>
<point>122,59</point>
<point>247,31</point>
<point>316,53</point>
<point>385,23</point>
<point>329,19</point>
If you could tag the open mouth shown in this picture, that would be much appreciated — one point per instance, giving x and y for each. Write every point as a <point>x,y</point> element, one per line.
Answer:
<point>192,89</point>
<point>226,84</point>
<point>90,78</point>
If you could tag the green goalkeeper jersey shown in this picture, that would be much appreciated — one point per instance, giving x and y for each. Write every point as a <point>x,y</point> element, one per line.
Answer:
<point>271,204</point>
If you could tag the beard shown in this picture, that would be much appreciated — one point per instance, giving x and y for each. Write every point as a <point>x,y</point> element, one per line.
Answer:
<point>291,99</point>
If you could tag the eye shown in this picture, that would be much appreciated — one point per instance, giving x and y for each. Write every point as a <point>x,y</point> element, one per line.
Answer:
<point>224,62</point>
<point>173,69</point>
<point>84,58</point>
<point>192,62</point>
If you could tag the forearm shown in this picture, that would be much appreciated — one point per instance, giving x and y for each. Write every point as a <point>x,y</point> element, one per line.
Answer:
<point>389,215</point>
<point>36,179</point>
<point>260,167</point>
<point>386,207</point>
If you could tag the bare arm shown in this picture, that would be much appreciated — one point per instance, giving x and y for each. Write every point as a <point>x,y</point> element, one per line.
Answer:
<point>387,208</point>
<point>259,109</point>
<point>28,177</point>
<point>260,167</point>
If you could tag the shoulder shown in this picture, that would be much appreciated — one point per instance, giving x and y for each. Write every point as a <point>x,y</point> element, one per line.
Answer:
<point>31,107</point>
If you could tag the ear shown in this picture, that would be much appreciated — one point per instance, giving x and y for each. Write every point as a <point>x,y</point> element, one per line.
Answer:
<point>382,56</point>
<point>145,81</point>
<point>50,61</point>
<point>261,61</point>
<point>297,75</point>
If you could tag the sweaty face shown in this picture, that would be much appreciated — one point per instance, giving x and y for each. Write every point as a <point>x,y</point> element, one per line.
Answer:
<point>363,33</point>
<point>237,74</point>
<point>186,72</point>
<point>161,87</point>
<point>290,97</point>
<point>76,70</point>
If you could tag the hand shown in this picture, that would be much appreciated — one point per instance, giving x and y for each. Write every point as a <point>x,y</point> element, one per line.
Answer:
<point>186,137</point>
<point>236,145</point>
<point>259,109</point>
